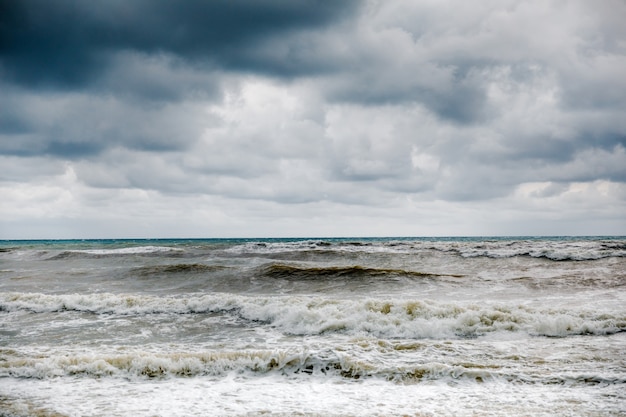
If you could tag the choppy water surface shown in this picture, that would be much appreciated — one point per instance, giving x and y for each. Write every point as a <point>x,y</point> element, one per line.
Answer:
<point>333,327</point>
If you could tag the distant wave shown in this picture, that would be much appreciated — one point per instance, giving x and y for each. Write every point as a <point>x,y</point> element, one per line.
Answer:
<point>138,250</point>
<point>584,250</point>
<point>301,315</point>
<point>556,250</point>
<point>317,246</point>
<point>551,249</point>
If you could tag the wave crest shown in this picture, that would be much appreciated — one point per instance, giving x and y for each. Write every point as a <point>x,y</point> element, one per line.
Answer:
<point>300,315</point>
<point>128,251</point>
<point>177,269</point>
<point>285,271</point>
<point>254,363</point>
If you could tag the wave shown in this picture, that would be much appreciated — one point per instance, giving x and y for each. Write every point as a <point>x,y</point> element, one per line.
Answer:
<point>285,271</point>
<point>556,249</point>
<point>177,269</point>
<point>302,315</point>
<point>135,250</point>
<point>278,247</point>
<point>552,249</point>
<point>561,251</point>
<point>251,363</point>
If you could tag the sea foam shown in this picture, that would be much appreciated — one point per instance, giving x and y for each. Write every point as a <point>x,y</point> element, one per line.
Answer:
<point>301,315</point>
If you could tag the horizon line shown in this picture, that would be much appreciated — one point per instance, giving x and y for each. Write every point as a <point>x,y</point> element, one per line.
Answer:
<point>310,237</point>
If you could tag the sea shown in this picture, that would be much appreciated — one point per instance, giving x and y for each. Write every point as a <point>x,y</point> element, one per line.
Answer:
<point>477,326</point>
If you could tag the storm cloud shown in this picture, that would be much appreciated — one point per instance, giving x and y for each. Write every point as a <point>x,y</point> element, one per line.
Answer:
<point>237,118</point>
<point>70,43</point>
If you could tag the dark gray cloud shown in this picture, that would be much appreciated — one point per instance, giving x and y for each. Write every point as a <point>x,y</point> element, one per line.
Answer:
<point>65,43</point>
<point>82,125</point>
<point>125,65</point>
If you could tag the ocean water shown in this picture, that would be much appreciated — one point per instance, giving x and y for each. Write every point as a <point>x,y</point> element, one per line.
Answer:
<point>308,327</point>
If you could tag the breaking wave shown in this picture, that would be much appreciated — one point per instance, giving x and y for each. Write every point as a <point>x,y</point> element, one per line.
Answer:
<point>302,315</point>
<point>251,363</point>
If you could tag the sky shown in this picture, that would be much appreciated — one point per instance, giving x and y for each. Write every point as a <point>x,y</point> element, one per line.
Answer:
<point>270,118</point>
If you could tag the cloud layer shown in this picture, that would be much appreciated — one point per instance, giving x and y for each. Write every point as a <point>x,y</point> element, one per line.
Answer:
<point>348,118</point>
